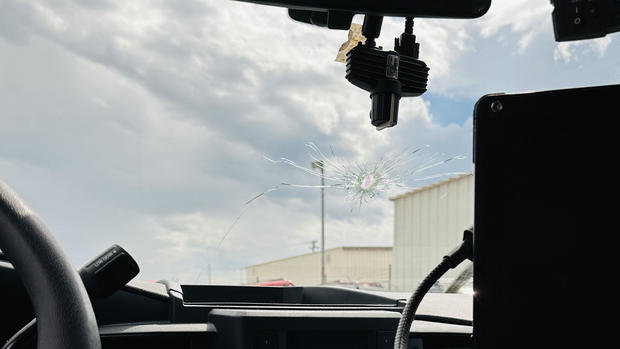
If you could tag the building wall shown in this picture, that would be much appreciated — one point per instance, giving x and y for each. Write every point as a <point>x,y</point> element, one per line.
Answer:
<point>363,264</point>
<point>345,264</point>
<point>428,223</point>
<point>301,270</point>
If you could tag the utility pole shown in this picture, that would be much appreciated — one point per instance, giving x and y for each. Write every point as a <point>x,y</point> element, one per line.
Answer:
<point>314,247</point>
<point>320,165</point>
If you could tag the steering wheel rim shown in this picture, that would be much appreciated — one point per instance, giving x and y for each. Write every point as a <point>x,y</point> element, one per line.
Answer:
<point>65,316</point>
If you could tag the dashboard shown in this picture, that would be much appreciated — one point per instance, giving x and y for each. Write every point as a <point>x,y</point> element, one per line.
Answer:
<point>166,315</point>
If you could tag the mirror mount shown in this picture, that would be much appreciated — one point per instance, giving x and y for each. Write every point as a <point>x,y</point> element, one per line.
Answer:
<point>371,29</point>
<point>331,19</point>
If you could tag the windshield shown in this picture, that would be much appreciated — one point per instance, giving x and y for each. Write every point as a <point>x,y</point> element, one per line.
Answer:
<point>218,142</point>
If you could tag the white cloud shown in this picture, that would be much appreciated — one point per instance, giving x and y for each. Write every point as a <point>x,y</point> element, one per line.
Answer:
<point>601,45</point>
<point>520,16</point>
<point>563,51</point>
<point>574,50</point>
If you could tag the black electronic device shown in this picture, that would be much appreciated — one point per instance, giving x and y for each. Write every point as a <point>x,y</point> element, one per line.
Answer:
<point>108,272</point>
<point>546,221</point>
<point>387,75</point>
<point>585,19</point>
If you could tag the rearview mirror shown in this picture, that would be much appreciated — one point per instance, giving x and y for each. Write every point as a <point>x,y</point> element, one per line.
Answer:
<point>395,8</point>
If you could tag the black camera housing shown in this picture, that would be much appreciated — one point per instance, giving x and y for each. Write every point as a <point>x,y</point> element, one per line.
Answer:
<point>388,76</point>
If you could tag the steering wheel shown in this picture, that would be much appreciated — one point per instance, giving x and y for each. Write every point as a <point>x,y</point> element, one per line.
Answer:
<point>65,316</point>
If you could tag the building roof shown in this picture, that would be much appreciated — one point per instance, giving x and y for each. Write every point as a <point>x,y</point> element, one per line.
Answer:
<point>431,186</point>
<point>344,248</point>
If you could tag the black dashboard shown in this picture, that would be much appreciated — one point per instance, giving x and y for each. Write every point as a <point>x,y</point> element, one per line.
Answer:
<point>167,315</point>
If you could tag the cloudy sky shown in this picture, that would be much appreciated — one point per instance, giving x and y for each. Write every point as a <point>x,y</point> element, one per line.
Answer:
<point>144,123</point>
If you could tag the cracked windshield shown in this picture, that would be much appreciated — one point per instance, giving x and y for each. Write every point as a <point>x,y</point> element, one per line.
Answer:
<point>220,143</point>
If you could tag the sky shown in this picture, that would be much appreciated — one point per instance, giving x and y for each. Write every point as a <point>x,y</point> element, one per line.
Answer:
<point>147,123</point>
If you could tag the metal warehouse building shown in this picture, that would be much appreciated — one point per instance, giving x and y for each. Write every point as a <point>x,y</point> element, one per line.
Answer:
<point>343,265</point>
<point>428,223</point>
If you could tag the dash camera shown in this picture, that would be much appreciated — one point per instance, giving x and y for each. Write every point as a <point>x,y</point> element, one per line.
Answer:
<point>387,75</point>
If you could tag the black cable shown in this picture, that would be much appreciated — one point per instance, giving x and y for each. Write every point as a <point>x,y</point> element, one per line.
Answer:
<point>402,332</point>
<point>451,260</point>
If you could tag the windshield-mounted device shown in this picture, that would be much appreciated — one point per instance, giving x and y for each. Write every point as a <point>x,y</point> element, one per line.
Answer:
<point>386,75</point>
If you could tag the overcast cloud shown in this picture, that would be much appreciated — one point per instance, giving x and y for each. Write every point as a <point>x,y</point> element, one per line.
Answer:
<point>144,123</point>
